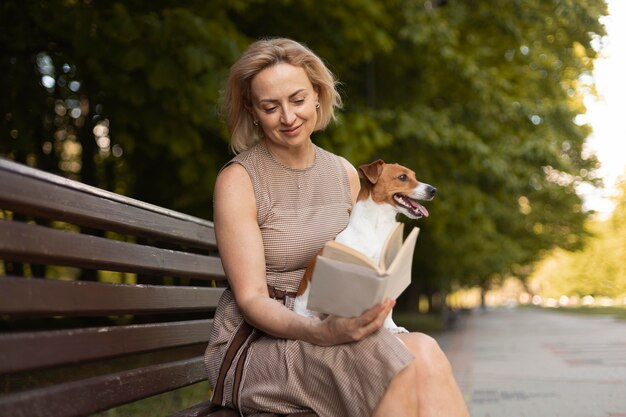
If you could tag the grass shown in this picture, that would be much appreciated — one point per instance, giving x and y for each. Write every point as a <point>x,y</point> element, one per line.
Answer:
<point>617,312</point>
<point>164,404</point>
<point>425,323</point>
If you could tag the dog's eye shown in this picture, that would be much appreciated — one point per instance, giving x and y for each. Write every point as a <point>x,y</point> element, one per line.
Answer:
<point>403,177</point>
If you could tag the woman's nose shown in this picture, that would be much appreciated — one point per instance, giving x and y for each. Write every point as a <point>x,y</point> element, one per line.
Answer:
<point>288,116</point>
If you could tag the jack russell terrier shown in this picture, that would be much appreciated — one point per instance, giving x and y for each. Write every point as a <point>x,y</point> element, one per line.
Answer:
<point>386,189</point>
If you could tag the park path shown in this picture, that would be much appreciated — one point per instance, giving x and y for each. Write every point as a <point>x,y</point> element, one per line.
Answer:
<point>536,363</point>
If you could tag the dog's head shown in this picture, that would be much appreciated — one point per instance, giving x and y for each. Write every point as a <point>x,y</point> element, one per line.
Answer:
<point>397,186</point>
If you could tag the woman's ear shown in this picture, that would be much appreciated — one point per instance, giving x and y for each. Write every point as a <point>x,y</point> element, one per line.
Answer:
<point>316,90</point>
<point>248,107</point>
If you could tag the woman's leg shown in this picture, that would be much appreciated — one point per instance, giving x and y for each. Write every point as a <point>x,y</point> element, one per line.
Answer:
<point>426,387</point>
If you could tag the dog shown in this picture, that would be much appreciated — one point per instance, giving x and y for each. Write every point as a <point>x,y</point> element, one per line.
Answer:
<point>386,190</point>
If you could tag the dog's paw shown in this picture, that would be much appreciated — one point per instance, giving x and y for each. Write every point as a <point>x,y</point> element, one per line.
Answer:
<point>307,313</point>
<point>397,330</point>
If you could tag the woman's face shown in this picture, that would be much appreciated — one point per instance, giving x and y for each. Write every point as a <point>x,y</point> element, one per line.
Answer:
<point>283,102</point>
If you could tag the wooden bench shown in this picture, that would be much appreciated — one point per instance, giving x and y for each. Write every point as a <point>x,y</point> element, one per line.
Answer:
<point>104,300</point>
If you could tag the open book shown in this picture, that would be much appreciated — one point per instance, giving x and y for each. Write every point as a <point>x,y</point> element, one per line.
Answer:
<point>345,282</point>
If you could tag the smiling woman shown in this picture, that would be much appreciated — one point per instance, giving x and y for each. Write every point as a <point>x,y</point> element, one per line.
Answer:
<point>237,102</point>
<point>284,105</point>
<point>277,202</point>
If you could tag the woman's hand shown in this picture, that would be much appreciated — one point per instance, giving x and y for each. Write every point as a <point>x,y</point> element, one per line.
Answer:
<point>337,330</point>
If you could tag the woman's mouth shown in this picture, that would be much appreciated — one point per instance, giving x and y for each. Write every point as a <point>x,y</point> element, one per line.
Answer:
<point>291,131</point>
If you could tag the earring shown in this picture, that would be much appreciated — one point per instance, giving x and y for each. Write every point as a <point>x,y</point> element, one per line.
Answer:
<point>255,123</point>
<point>317,106</point>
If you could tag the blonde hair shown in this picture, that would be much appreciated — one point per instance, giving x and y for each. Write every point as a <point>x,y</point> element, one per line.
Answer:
<point>236,96</point>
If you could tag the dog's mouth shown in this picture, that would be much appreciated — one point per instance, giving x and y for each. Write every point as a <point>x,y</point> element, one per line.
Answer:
<point>411,205</point>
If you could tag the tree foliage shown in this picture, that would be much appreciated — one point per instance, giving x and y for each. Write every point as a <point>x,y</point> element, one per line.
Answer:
<point>149,76</point>
<point>597,270</point>
<point>479,97</point>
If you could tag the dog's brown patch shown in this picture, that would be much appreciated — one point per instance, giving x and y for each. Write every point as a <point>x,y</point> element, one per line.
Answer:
<point>382,181</point>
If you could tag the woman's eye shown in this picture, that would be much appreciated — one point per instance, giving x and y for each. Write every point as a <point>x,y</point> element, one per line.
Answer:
<point>270,110</point>
<point>299,101</point>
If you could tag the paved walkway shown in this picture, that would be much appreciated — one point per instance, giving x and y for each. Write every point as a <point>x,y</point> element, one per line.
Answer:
<point>534,363</point>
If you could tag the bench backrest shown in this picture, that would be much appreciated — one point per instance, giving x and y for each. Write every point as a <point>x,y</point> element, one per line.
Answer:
<point>88,276</point>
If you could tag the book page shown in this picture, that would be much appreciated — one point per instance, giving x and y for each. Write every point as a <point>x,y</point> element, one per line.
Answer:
<point>340,252</point>
<point>344,289</point>
<point>399,273</point>
<point>392,246</point>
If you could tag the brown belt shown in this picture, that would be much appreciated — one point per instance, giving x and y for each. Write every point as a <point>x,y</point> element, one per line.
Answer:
<point>280,295</point>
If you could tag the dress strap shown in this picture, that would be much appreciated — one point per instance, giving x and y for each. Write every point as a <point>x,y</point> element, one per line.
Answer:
<point>245,335</point>
<point>238,342</point>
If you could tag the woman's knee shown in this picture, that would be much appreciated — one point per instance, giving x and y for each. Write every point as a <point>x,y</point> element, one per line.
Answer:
<point>429,358</point>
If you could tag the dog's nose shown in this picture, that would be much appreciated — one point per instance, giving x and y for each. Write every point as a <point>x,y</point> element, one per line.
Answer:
<point>431,191</point>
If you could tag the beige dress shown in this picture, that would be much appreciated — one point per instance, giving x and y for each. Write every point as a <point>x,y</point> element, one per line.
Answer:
<point>297,212</point>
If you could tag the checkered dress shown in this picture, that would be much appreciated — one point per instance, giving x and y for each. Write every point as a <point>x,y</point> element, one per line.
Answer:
<point>297,212</point>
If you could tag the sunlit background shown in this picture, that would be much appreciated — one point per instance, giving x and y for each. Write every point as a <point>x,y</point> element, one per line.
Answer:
<point>547,286</point>
<point>606,113</point>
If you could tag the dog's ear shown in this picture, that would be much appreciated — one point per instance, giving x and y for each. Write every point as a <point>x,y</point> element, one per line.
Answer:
<point>371,171</point>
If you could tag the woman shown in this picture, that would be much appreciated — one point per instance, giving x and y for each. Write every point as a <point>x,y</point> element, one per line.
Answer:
<point>276,204</point>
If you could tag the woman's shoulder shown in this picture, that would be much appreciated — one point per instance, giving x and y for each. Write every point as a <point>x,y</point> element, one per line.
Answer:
<point>243,159</point>
<point>232,175</point>
<point>341,161</point>
<point>330,156</point>
<point>350,169</point>
<point>344,166</point>
<point>238,165</point>
<point>247,154</point>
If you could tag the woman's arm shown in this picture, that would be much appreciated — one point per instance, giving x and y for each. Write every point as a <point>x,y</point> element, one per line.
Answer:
<point>241,250</point>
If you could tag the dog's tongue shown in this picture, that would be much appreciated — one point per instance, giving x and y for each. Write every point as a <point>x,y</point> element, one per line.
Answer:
<point>418,208</point>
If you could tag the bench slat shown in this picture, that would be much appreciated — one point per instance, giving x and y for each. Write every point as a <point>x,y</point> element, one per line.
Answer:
<point>60,371</point>
<point>36,350</point>
<point>31,192</point>
<point>96,394</point>
<point>42,245</point>
<point>206,409</point>
<point>37,297</point>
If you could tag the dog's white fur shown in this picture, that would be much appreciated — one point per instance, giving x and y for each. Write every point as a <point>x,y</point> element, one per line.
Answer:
<point>388,189</point>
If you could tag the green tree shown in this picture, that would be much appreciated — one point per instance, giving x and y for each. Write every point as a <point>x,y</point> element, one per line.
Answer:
<point>479,97</point>
<point>491,122</point>
<point>598,269</point>
<point>143,78</point>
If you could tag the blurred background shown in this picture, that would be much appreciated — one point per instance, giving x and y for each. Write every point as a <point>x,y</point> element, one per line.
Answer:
<point>504,106</point>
